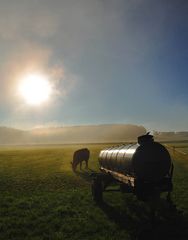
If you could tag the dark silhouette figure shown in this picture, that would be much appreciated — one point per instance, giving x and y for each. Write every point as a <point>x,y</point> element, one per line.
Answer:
<point>80,156</point>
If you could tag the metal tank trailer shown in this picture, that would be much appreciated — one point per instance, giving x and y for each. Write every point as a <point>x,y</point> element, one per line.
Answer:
<point>144,169</point>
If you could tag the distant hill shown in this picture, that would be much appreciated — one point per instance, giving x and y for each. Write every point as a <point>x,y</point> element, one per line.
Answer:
<point>72,134</point>
<point>13,136</point>
<point>83,134</point>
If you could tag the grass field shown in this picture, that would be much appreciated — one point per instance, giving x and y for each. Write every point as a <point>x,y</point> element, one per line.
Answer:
<point>181,147</point>
<point>41,198</point>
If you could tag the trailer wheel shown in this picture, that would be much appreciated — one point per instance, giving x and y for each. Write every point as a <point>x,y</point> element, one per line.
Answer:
<point>97,190</point>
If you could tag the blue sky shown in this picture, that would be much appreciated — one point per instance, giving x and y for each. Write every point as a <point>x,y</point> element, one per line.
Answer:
<point>122,61</point>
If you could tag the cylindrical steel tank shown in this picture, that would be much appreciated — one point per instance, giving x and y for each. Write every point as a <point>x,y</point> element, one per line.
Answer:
<point>147,160</point>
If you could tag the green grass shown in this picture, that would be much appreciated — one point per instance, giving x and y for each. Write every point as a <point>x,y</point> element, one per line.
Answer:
<point>184,150</point>
<point>41,198</point>
<point>181,147</point>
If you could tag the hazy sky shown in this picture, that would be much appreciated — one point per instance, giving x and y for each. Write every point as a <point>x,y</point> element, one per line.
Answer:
<point>110,61</point>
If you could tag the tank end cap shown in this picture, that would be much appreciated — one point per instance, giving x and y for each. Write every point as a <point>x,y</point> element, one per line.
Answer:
<point>147,138</point>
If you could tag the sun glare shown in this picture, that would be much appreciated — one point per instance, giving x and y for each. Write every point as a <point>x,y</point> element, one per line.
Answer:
<point>35,89</point>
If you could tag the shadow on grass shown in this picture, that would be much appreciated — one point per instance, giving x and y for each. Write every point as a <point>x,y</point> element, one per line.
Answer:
<point>86,174</point>
<point>168,224</point>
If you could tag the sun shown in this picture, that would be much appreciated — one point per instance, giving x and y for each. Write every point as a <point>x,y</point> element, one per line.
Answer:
<point>35,89</point>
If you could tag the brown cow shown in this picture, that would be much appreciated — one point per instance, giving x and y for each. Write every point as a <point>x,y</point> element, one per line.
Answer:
<point>80,156</point>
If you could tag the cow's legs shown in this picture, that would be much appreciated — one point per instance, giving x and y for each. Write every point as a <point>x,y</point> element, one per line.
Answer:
<point>80,165</point>
<point>87,164</point>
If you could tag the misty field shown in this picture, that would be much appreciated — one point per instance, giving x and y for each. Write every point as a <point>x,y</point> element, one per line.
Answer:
<point>41,198</point>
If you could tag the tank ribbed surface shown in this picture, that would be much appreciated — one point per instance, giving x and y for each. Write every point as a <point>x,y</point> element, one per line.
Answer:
<point>149,161</point>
